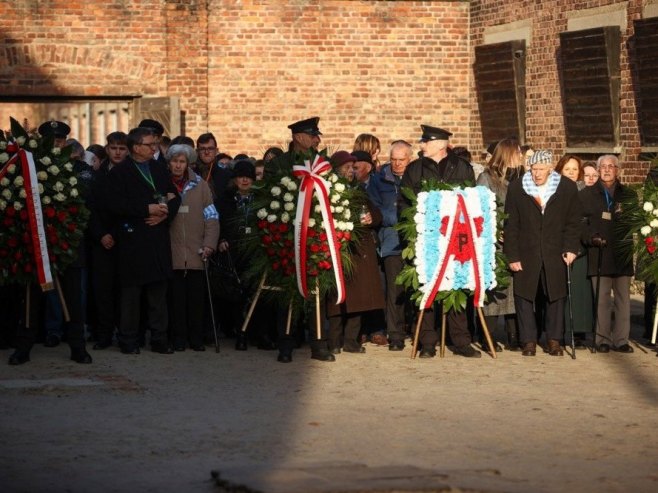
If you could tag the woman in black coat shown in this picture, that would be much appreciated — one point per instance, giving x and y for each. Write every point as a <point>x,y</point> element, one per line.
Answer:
<point>542,234</point>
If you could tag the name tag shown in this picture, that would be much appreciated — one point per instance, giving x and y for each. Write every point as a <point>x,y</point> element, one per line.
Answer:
<point>184,209</point>
<point>607,216</point>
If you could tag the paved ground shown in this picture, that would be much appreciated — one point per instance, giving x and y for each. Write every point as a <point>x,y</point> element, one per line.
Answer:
<point>373,422</point>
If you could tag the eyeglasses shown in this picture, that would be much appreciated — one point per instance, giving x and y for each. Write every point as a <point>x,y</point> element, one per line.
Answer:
<point>206,149</point>
<point>607,166</point>
<point>152,145</point>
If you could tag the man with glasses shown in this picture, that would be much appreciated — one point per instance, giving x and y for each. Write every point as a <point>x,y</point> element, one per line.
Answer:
<point>217,173</point>
<point>602,203</point>
<point>158,132</point>
<point>143,200</point>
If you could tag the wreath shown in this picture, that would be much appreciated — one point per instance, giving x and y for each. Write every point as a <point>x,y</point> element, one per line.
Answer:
<point>306,224</point>
<point>42,210</point>
<point>450,254</point>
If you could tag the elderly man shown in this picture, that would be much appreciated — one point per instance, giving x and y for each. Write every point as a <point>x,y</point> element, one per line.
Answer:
<point>542,235</point>
<point>384,191</point>
<point>602,204</point>
<point>439,163</point>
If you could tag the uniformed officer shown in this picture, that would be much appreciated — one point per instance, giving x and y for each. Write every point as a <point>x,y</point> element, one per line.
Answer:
<point>305,136</point>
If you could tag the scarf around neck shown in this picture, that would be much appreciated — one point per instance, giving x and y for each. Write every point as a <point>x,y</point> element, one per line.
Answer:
<point>532,189</point>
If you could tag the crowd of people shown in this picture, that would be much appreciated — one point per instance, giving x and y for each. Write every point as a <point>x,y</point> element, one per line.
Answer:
<point>168,216</point>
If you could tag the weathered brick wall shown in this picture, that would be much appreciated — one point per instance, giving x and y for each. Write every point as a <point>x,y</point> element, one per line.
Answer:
<point>544,109</point>
<point>244,70</point>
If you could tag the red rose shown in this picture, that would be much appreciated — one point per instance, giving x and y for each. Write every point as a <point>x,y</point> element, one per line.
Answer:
<point>347,235</point>
<point>18,255</point>
<point>23,215</point>
<point>314,248</point>
<point>283,253</point>
<point>288,243</point>
<point>267,240</point>
<point>50,212</point>
<point>323,236</point>
<point>12,242</point>
<point>283,227</point>
<point>26,238</point>
<point>649,240</point>
<point>277,237</point>
<point>275,266</point>
<point>289,271</point>
<point>64,245</point>
<point>61,216</point>
<point>10,211</point>
<point>14,268</point>
<point>27,268</point>
<point>339,235</point>
<point>311,233</point>
<point>313,272</point>
<point>262,224</point>
<point>651,249</point>
<point>71,227</point>
<point>284,262</point>
<point>4,253</point>
<point>273,227</point>
<point>8,221</point>
<point>73,209</point>
<point>324,247</point>
<point>271,252</point>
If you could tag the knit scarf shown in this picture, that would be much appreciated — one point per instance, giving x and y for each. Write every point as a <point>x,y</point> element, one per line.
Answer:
<point>533,190</point>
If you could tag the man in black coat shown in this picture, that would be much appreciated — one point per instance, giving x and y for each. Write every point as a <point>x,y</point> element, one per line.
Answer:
<point>439,163</point>
<point>143,200</point>
<point>305,136</point>
<point>542,236</point>
<point>602,203</point>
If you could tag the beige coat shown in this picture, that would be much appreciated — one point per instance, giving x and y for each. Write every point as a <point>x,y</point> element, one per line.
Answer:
<point>195,226</point>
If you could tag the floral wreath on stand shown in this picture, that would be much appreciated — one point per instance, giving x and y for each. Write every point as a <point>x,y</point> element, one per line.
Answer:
<point>452,251</point>
<point>306,225</point>
<point>42,211</point>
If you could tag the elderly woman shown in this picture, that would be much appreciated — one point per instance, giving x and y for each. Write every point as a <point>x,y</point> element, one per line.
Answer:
<point>506,164</point>
<point>194,234</point>
<point>542,237</point>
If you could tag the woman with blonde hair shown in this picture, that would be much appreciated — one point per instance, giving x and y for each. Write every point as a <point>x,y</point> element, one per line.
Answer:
<point>506,164</point>
<point>370,144</point>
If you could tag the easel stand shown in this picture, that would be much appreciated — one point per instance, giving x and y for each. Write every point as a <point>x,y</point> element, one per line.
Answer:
<point>442,350</point>
<point>655,327</point>
<point>262,286</point>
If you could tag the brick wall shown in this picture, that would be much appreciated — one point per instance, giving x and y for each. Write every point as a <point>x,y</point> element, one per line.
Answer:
<point>244,70</point>
<point>544,110</point>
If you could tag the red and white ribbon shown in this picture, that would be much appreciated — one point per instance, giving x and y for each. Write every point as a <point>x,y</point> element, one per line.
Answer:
<point>312,181</point>
<point>34,214</point>
<point>455,243</point>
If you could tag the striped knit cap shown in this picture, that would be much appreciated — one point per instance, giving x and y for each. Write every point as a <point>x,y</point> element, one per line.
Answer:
<point>541,157</point>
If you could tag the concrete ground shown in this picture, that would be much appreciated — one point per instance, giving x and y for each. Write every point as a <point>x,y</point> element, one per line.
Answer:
<point>373,422</point>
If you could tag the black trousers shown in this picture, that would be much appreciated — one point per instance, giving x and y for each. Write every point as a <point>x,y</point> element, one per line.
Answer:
<point>344,331</point>
<point>105,282</point>
<point>395,299</point>
<point>156,301</point>
<point>71,284</point>
<point>187,306</point>
<point>457,323</point>
<point>526,316</point>
<point>287,342</point>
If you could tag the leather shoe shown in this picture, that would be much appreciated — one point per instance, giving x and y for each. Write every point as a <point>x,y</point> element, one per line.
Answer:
<point>335,350</point>
<point>284,358</point>
<point>51,340</point>
<point>127,350</point>
<point>624,348</point>
<point>162,349</point>
<point>396,345</point>
<point>554,348</point>
<point>379,339</point>
<point>80,356</point>
<point>529,349</point>
<point>19,357</point>
<point>429,352</point>
<point>467,352</point>
<point>323,355</point>
<point>358,349</point>
<point>241,342</point>
<point>180,348</point>
<point>102,345</point>
<point>603,348</point>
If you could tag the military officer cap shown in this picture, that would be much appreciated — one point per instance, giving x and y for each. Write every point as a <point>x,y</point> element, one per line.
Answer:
<point>309,126</point>
<point>56,129</point>
<point>154,125</point>
<point>433,133</point>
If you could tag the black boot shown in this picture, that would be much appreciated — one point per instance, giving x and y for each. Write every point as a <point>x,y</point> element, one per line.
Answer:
<point>19,357</point>
<point>241,341</point>
<point>512,340</point>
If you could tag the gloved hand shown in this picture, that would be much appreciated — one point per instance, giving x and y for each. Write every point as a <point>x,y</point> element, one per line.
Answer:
<point>597,241</point>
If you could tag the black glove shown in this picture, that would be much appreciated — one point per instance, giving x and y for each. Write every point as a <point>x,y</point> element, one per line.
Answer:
<point>598,242</point>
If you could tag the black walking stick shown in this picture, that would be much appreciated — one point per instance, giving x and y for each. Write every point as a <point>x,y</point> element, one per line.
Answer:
<point>573,337</point>
<point>212,309</point>
<point>600,243</point>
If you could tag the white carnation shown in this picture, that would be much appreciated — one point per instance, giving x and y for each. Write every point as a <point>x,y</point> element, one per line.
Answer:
<point>332,209</point>
<point>45,161</point>
<point>32,143</point>
<point>318,208</point>
<point>340,187</point>
<point>68,167</point>
<point>55,151</point>
<point>18,181</point>
<point>11,169</point>
<point>40,187</point>
<point>339,225</point>
<point>261,214</point>
<point>655,212</point>
<point>654,223</point>
<point>311,222</point>
<point>73,192</point>
<point>18,206</point>
<point>4,182</point>
<point>648,206</point>
<point>347,214</point>
<point>335,198</point>
<point>3,205</point>
<point>53,170</point>
<point>275,205</point>
<point>338,209</point>
<point>292,186</point>
<point>20,140</point>
<point>6,193</point>
<point>271,218</point>
<point>4,157</point>
<point>333,178</point>
<point>42,176</point>
<point>46,200</point>
<point>288,197</point>
<point>646,230</point>
<point>345,203</point>
<point>285,217</point>
<point>22,194</point>
<point>285,180</point>
<point>58,187</point>
<point>73,181</point>
<point>349,226</point>
<point>288,206</point>
<point>276,191</point>
<point>60,197</point>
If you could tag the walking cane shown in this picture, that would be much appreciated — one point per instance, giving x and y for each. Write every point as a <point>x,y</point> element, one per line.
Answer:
<point>600,244</point>
<point>573,337</point>
<point>212,309</point>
